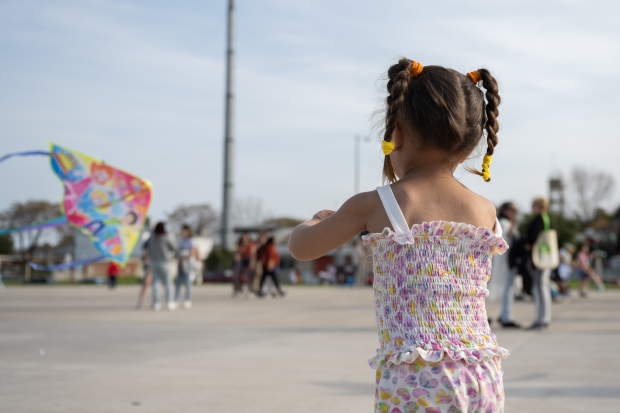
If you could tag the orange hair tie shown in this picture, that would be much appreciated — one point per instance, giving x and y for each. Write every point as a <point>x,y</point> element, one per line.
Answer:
<point>416,68</point>
<point>474,76</point>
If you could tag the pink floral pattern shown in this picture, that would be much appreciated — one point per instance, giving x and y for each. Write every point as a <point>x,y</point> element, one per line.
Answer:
<point>443,387</point>
<point>430,288</point>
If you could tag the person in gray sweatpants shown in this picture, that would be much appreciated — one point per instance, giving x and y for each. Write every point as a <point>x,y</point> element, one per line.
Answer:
<point>162,255</point>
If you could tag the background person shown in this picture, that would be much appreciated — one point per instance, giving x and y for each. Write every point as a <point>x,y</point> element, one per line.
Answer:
<point>565,269</point>
<point>245,261</point>
<point>261,241</point>
<point>540,285</point>
<point>113,271</point>
<point>162,259</point>
<point>270,260</point>
<point>148,276</point>
<point>586,273</point>
<point>293,276</point>
<point>188,255</point>
<point>503,275</point>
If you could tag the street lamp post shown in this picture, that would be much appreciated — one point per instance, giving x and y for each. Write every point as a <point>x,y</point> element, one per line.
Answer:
<point>227,230</point>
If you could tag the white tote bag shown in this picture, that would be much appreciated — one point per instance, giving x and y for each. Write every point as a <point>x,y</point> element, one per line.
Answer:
<point>545,253</point>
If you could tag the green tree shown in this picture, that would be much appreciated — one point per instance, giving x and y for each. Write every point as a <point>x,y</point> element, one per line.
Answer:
<point>220,259</point>
<point>21,214</point>
<point>6,244</point>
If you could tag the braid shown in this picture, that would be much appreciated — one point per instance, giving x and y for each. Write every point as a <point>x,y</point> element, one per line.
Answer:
<point>492,125</point>
<point>493,100</point>
<point>399,75</point>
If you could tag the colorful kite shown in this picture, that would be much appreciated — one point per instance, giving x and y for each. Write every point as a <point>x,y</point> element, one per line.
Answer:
<point>107,203</point>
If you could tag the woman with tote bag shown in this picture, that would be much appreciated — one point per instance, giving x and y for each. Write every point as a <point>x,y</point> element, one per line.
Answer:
<point>542,242</point>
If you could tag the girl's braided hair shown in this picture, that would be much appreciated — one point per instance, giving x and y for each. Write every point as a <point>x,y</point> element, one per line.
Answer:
<point>442,108</point>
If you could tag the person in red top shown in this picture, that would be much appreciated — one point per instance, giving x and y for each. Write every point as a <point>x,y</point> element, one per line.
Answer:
<point>270,260</point>
<point>113,271</point>
<point>245,261</point>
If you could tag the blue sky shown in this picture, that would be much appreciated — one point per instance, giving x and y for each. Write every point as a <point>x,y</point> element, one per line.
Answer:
<point>141,85</point>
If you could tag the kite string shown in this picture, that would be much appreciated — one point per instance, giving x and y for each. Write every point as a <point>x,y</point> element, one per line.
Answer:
<point>64,265</point>
<point>26,153</point>
<point>54,222</point>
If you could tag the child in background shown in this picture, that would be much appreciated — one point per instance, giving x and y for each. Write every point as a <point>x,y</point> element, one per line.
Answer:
<point>586,273</point>
<point>113,271</point>
<point>432,241</point>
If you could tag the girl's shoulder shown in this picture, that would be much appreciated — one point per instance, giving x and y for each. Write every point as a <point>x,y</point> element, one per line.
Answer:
<point>452,202</point>
<point>420,204</point>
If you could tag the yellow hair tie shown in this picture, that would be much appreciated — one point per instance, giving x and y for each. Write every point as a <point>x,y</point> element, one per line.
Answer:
<point>387,147</point>
<point>486,162</point>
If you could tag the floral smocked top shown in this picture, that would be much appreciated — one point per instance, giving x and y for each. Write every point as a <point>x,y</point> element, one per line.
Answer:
<point>429,288</point>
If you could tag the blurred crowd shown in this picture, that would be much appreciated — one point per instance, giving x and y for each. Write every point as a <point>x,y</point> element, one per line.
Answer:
<point>256,266</point>
<point>517,275</point>
<point>163,258</point>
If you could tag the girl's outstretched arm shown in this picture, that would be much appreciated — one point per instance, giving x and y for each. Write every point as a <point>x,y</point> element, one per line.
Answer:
<point>328,230</point>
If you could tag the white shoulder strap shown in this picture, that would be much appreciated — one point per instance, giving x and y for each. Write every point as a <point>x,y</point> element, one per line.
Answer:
<point>399,223</point>
<point>498,228</point>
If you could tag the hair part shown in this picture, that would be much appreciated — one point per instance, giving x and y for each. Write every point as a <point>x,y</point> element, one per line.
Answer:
<point>442,109</point>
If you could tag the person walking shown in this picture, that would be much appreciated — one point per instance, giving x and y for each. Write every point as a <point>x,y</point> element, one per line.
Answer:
<point>540,286</point>
<point>147,279</point>
<point>261,242</point>
<point>270,260</point>
<point>188,255</point>
<point>586,272</point>
<point>245,261</point>
<point>502,275</point>
<point>113,271</point>
<point>162,256</point>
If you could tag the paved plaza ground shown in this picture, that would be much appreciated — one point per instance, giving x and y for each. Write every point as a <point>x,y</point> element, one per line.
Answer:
<point>85,349</point>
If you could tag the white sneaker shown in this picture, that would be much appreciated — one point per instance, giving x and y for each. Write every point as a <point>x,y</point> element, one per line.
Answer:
<point>157,306</point>
<point>172,306</point>
<point>187,304</point>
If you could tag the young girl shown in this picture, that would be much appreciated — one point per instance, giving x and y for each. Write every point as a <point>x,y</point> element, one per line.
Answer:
<point>432,240</point>
<point>586,272</point>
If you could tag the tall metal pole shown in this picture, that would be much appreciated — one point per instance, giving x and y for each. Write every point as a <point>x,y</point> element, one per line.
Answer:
<point>227,224</point>
<point>356,165</point>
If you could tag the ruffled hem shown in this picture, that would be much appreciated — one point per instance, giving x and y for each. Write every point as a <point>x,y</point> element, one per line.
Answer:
<point>409,357</point>
<point>444,232</point>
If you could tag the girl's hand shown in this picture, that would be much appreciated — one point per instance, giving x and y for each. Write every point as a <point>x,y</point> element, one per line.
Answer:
<point>321,215</point>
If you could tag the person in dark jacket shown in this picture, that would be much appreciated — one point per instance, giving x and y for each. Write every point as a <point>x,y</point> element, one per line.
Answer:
<point>270,260</point>
<point>540,286</point>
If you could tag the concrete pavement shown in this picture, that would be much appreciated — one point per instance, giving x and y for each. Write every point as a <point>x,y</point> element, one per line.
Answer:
<point>86,349</point>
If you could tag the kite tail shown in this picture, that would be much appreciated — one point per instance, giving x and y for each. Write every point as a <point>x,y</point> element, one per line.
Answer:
<point>27,153</point>
<point>65,265</point>
<point>54,222</point>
